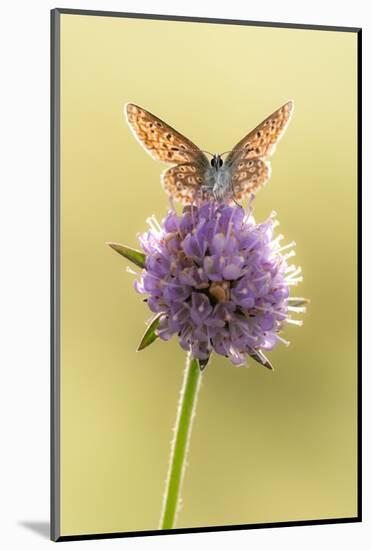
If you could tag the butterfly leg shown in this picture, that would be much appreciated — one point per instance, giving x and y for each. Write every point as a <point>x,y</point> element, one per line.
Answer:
<point>234,197</point>
<point>206,191</point>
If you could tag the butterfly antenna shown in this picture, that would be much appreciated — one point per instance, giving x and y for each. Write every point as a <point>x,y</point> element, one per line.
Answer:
<point>185,150</point>
<point>202,151</point>
<point>235,151</point>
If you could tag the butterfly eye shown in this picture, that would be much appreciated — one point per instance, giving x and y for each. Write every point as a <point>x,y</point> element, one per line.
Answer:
<point>220,162</point>
<point>212,162</point>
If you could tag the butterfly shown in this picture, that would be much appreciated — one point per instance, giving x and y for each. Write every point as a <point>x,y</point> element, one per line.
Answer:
<point>193,176</point>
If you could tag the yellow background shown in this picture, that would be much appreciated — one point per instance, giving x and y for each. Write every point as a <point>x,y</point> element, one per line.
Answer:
<point>266,447</point>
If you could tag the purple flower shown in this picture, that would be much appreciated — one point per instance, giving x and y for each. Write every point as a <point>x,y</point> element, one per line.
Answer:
<point>219,281</point>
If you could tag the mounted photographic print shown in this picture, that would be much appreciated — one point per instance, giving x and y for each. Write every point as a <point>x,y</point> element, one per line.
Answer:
<point>205,281</point>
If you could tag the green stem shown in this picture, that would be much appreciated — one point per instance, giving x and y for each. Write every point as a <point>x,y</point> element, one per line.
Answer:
<point>180,443</point>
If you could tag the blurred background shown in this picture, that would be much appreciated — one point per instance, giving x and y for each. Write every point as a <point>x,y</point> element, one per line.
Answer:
<point>266,446</point>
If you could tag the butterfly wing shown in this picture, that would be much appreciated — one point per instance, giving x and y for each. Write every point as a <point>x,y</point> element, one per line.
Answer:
<point>248,177</point>
<point>183,182</point>
<point>160,140</point>
<point>249,172</point>
<point>262,140</point>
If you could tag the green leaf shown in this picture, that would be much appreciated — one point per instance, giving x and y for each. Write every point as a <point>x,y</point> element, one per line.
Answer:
<point>150,335</point>
<point>260,358</point>
<point>297,302</point>
<point>135,256</point>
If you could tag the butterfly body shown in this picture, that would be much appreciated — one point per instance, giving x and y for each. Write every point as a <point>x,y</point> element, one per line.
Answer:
<point>217,180</point>
<point>216,162</point>
<point>192,177</point>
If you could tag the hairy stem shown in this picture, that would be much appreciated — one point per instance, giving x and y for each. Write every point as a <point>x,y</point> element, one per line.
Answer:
<point>180,444</point>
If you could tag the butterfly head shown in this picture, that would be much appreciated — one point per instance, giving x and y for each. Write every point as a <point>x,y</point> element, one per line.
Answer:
<point>216,162</point>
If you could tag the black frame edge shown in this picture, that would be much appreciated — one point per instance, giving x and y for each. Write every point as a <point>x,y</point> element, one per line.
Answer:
<point>359,273</point>
<point>54,278</point>
<point>190,530</point>
<point>196,19</point>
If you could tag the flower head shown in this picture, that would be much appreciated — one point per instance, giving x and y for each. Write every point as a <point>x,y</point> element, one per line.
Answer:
<point>218,281</point>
